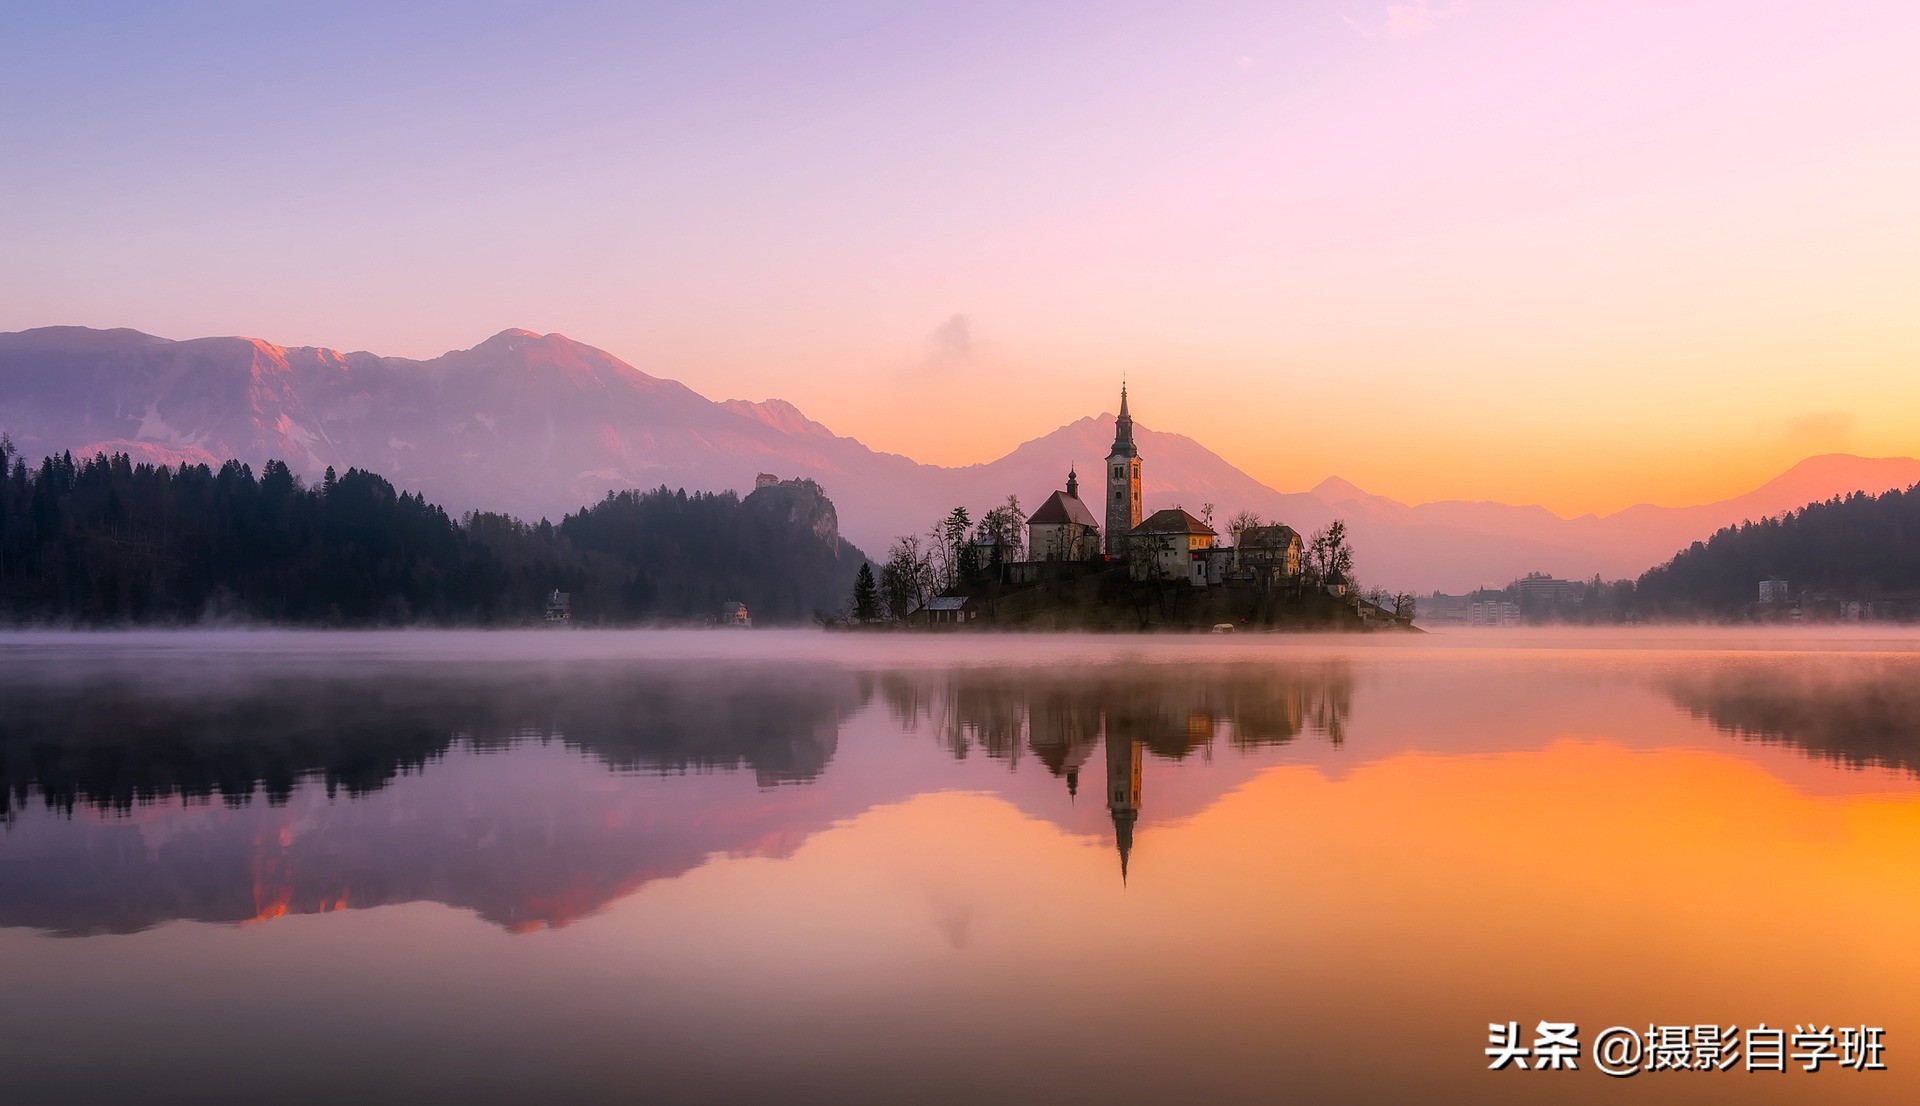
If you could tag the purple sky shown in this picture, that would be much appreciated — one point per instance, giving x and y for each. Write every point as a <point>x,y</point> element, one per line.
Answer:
<point>1570,253</point>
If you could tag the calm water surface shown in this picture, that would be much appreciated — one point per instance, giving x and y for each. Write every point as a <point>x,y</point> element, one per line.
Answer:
<point>721,867</point>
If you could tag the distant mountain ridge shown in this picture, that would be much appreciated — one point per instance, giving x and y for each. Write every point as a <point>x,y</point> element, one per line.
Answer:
<point>539,425</point>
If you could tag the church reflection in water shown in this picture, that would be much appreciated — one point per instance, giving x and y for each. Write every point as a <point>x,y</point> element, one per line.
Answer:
<point>536,797</point>
<point>1124,757</point>
<point>1172,712</point>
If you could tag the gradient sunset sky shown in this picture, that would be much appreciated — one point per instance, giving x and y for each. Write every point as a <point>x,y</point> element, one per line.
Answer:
<point>1579,254</point>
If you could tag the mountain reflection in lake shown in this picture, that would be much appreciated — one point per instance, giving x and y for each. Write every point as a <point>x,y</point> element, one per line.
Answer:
<point>799,867</point>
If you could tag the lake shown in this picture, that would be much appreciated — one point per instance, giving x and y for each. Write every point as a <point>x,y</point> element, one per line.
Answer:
<point>803,867</point>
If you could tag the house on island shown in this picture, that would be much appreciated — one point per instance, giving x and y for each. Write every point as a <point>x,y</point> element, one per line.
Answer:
<point>1170,545</point>
<point>1265,555</point>
<point>946,610</point>
<point>989,555</point>
<point>559,606</point>
<point>735,614</point>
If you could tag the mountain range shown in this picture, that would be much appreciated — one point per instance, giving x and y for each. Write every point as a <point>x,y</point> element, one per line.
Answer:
<point>539,425</point>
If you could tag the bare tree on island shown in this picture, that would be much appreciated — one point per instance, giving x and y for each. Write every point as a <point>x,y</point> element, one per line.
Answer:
<point>906,579</point>
<point>1240,523</point>
<point>1329,557</point>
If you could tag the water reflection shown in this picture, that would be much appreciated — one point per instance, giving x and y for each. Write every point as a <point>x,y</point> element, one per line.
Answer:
<point>832,876</point>
<point>1172,712</point>
<point>254,796</point>
<point>124,740</point>
<point>536,794</point>
<point>1862,714</point>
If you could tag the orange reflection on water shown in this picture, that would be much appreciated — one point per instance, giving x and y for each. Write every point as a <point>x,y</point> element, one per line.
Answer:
<point>1301,930</point>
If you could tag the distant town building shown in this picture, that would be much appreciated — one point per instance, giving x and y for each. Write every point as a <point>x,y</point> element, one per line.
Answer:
<point>1170,545</point>
<point>1123,482</point>
<point>1540,587</point>
<point>735,614</point>
<point>1773,590</point>
<point>1063,529</point>
<point>1493,612</point>
<point>559,606</point>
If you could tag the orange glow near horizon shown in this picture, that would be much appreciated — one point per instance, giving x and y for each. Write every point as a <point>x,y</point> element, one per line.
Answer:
<point>1571,255</point>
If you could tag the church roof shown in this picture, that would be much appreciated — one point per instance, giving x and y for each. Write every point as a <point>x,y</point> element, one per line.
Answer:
<point>1061,507</point>
<point>1062,758</point>
<point>1173,520</point>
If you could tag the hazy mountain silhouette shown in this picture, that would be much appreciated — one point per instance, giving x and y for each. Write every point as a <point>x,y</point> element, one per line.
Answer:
<point>532,424</point>
<point>540,424</point>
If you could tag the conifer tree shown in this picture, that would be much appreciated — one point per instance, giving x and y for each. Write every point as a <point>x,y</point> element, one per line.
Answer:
<point>866,595</point>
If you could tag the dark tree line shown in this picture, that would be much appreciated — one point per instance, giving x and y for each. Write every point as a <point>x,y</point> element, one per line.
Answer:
<point>104,540</point>
<point>1859,546</point>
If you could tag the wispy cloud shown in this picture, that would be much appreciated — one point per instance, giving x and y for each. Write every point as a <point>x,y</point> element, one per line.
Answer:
<point>1408,20</point>
<point>1819,431</point>
<point>951,342</point>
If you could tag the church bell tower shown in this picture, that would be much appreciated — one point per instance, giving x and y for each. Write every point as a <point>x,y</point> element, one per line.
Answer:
<point>1123,482</point>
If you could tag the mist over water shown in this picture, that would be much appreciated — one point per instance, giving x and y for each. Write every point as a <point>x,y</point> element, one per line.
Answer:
<point>797,866</point>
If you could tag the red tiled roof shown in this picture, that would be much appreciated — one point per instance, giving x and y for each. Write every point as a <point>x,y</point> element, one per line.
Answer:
<point>1173,520</point>
<point>1061,507</point>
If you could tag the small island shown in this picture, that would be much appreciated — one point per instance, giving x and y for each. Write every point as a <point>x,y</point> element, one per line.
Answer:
<point>1062,569</point>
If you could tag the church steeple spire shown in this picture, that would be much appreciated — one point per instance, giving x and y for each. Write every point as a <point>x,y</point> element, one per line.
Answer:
<point>1073,481</point>
<point>1123,429</point>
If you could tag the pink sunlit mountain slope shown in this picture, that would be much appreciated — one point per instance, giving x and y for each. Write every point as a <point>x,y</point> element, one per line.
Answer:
<point>538,425</point>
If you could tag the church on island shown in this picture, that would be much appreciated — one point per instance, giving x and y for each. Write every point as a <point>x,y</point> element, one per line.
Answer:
<point>1117,567</point>
<point>1168,545</point>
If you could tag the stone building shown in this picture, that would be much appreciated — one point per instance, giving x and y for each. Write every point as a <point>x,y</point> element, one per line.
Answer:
<point>1266,555</point>
<point>1063,529</point>
<point>1170,545</point>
